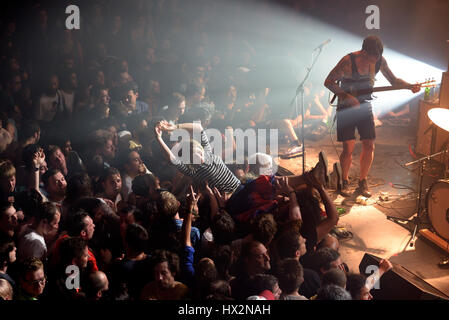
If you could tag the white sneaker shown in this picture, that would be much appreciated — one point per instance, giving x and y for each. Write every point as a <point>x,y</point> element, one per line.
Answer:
<point>293,151</point>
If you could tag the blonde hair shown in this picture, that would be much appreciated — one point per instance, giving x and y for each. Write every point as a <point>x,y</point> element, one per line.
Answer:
<point>167,204</point>
<point>7,169</point>
<point>6,292</point>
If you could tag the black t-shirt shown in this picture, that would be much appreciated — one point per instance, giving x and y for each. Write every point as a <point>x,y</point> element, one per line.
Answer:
<point>134,274</point>
<point>311,284</point>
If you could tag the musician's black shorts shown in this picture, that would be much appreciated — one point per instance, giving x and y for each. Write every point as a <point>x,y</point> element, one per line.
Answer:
<point>351,118</point>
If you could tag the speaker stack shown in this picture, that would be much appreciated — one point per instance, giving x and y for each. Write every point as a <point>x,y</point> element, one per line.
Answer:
<point>444,90</point>
<point>399,283</point>
<point>429,137</point>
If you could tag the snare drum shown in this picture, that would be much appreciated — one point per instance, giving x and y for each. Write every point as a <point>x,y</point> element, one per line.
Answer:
<point>437,204</point>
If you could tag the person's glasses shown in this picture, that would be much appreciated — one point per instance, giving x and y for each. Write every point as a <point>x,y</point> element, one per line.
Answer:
<point>41,282</point>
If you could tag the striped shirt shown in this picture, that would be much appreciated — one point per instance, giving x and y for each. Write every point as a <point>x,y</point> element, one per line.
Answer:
<point>213,170</point>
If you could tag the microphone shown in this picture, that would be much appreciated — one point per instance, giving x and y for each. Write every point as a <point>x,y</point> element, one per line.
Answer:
<point>323,44</point>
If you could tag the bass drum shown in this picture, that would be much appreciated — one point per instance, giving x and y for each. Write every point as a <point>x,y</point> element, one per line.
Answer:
<point>437,203</point>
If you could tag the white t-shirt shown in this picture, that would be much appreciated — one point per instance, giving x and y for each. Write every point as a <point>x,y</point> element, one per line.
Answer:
<point>69,99</point>
<point>127,186</point>
<point>48,106</point>
<point>30,245</point>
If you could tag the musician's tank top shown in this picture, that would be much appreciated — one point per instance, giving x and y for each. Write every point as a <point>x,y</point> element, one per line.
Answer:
<point>358,81</point>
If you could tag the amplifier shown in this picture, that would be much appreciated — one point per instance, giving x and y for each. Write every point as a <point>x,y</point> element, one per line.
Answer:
<point>429,137</point>
<point>444,90</point>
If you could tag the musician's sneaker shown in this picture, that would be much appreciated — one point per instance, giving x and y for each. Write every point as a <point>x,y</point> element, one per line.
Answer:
<point>363,189</point>
<point>344,190</point>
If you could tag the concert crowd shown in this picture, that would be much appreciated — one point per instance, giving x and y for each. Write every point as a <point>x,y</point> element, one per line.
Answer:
<point>92,209</point>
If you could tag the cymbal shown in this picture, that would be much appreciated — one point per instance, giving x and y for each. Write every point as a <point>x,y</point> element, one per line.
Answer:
<point>440,117</point>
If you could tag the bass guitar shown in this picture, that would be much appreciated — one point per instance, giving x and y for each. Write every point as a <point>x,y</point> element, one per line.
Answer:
<point>355,93</point>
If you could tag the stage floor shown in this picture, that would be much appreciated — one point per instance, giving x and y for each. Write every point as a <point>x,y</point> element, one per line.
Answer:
<point>372,232</point>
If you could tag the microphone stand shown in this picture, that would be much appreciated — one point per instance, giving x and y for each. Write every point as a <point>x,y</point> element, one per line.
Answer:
<point>300,89</point>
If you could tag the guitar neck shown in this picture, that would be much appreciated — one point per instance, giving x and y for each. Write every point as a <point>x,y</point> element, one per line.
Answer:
<point>378,89</point>
<point>386,88</point>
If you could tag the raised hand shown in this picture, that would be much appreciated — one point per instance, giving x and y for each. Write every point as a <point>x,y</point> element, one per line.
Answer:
<point>385,265</point>
<point>158,129</point>
<point>168,126</point>
<point>415,88</point>
<point>38,158</point>
<point>221,198</point>
<point>192,198</point>
<point>282,186</point>
<point>208,190</point>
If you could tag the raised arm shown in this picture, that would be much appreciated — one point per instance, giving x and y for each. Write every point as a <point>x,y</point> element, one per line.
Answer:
<point>188,269</point>
<point>34,179</point>
<point>331,220</point>
<point>187,222</point>
<point>282,186</point>
<point>190,126</point>
<point>212,200</point>
<point>165,149</point>
<point>384,266</point>
<point>326,225</point>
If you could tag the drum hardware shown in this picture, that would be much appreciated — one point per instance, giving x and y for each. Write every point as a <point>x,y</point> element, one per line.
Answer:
<point>437,205</point>
<point>437,198</point>
<point>416,219</point>
<point>440,118</point>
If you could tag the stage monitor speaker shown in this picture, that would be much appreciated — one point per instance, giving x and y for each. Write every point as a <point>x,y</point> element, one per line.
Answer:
<point>399,283</point>
<point>429,137</point>
<point>444,90</point>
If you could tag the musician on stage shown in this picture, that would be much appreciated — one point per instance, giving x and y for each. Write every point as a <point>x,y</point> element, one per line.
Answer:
<point>357,70</point>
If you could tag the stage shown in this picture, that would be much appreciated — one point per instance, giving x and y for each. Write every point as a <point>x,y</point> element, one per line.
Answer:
<point>371,231</point>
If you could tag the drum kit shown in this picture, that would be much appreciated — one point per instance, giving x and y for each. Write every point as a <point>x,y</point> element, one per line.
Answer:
<point>437,197</point>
